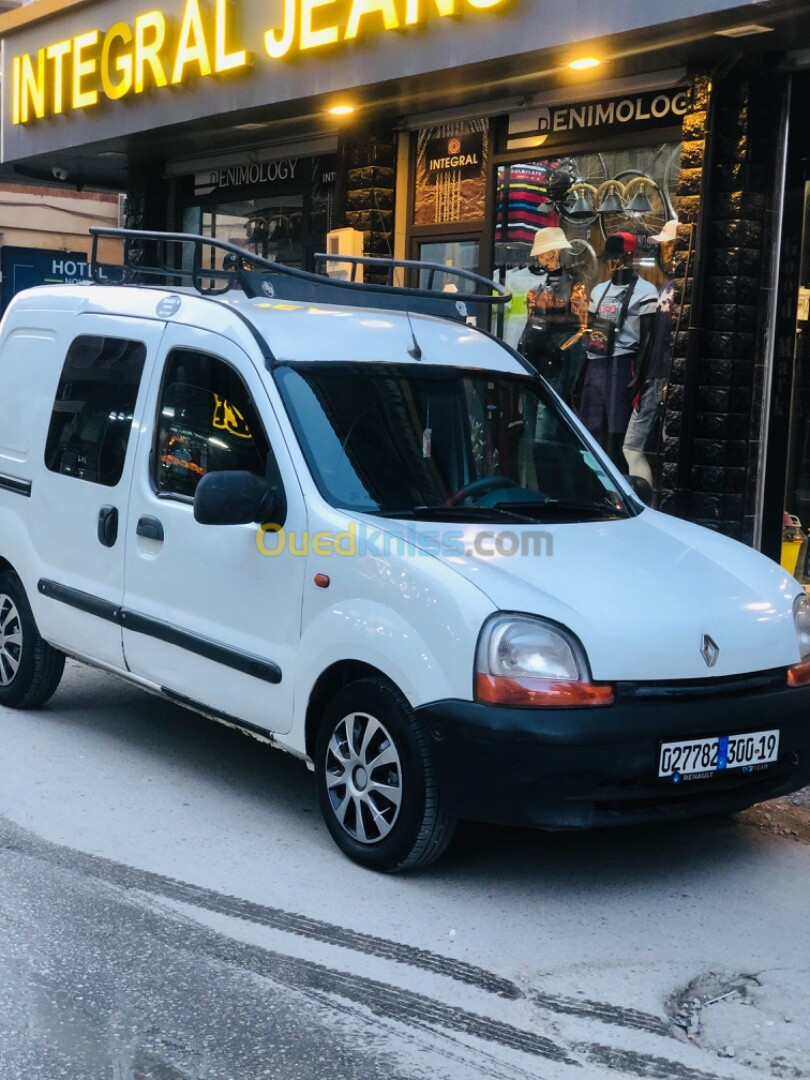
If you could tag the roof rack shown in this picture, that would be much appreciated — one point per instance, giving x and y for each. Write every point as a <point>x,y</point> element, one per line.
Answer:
<point>177,259</point>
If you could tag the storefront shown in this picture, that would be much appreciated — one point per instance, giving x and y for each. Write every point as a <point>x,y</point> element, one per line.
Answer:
<point>641,192</point>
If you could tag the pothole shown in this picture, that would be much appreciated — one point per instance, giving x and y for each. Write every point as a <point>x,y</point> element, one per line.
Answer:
<point>759,1020</point>
<point>685,1007</point>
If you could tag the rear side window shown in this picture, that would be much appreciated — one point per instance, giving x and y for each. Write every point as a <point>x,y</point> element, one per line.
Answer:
<point>92,415</point>
<point>206,422</point>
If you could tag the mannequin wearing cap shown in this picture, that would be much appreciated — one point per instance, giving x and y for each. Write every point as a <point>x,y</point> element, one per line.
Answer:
<point>622,312</point>
<point>653,377</point>
<point>556,307</point>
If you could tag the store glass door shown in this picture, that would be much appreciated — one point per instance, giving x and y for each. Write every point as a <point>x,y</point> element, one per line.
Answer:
<point>463,253</point>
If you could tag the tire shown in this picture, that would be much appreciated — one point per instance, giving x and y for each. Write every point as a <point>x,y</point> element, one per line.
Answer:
<point>389,817</point>
<point>30,668</point>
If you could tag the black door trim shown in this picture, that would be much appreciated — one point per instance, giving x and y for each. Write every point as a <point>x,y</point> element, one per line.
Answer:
<point>13,483</point>
<point>255,666</point>
<point>81,600</point>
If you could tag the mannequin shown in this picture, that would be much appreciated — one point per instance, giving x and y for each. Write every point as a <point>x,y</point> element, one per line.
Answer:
<point>653,376</point>
<point>556,306</point>
<point>622,316</point>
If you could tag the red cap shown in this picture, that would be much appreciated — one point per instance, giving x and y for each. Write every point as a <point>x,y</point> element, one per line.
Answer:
<point>620,243</point>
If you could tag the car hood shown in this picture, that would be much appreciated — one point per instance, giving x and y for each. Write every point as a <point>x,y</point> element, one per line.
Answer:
<point>640,593</point>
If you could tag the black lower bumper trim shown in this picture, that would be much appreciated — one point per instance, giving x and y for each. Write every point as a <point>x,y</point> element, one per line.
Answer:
<point>580,768</point>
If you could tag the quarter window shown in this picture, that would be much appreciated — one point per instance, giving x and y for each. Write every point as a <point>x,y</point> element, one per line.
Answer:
<point>206,422</point>
<point>92,414</point>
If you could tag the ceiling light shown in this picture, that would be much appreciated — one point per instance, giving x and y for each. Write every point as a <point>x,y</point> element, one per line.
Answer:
<point>341,110</point>
<point>584,62</point>
<point>744,31</point>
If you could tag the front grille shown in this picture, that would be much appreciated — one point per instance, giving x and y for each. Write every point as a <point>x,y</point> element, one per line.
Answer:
<point>760,682</point>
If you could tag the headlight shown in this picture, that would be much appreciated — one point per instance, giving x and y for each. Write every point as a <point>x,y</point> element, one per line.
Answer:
<point>526,661</point>
<point>801,615</point>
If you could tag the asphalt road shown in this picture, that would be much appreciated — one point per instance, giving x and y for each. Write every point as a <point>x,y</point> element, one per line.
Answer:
<point>172,908</point>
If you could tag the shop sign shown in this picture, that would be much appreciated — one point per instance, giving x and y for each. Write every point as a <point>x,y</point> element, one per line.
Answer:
<point>451,164</point>
<point>464,153</point>
<point>280,171</point>
<point>156,51</point>
<point>249,174</point>
<point>562,125</point>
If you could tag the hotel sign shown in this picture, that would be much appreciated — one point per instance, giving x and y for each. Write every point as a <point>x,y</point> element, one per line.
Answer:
<point>155,52</point>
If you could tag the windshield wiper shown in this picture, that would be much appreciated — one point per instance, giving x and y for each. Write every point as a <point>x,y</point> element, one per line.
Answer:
<point>471,514</point>
<point>568,506</point>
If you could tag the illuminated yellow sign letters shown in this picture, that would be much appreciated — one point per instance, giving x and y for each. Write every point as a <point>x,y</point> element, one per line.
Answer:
<point>157,52</point>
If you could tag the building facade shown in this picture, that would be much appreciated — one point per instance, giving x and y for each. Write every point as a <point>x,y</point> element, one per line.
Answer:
<point>514,137</point>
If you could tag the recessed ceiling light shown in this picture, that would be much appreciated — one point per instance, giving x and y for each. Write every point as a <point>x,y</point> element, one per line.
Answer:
<point>341,110</point>
<point>584,62</point>
<point>744,31</point>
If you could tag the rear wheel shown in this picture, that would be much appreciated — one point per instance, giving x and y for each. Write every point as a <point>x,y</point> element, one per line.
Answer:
<point>30,668</point>
<point>376,780</point>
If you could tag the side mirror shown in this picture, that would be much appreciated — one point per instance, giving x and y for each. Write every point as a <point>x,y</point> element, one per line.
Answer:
<point>642,488</point>
<point>235,498</point>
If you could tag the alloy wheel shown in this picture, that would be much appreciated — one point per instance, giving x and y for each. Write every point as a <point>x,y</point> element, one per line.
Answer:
<point>11,640</point>
<point>363,778</point>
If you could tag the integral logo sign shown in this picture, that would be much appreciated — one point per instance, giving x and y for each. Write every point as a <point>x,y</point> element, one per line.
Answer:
<point>564,124</point>
<point>462,155</point>
<point>710,651</point>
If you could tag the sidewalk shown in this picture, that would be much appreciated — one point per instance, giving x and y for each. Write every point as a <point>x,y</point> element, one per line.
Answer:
<point>788,817</point>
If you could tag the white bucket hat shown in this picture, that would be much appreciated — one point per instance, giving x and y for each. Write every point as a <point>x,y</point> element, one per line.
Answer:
<point>668,233</point>
<point>551,239</point>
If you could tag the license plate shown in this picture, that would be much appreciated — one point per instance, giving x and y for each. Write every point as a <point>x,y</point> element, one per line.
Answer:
<point>718,754</point>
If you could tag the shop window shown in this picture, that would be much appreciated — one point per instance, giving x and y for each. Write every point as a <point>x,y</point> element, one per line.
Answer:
<point>92,414</point>
<point>585,245</point>
<point>206,422</point>
<point>280,210</point>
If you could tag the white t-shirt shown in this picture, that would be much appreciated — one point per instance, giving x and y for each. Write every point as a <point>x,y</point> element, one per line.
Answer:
<point>606,303</point>
<point>518,282</point>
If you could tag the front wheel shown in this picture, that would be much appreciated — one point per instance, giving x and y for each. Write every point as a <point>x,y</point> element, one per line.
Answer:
<point>30,668</point>
<point>376,780</point>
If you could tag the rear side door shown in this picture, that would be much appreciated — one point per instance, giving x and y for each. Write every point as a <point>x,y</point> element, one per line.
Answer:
<point>207,617</point>
<point>81,491</point>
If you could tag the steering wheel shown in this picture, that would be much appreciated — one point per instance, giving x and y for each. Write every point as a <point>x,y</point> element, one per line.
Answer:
<point>477,488</point>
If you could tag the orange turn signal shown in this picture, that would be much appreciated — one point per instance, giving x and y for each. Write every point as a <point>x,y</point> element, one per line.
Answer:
<point>500,690</point>
<point>799,674</point>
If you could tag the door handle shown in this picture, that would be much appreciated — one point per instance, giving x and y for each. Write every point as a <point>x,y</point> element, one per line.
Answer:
<point>108,525</point>
<point>150,528</point>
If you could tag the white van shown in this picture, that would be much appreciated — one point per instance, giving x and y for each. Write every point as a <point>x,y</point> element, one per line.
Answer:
<point>373,538</point>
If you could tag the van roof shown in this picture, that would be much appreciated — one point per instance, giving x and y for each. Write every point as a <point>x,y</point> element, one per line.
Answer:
<point>287,331</point>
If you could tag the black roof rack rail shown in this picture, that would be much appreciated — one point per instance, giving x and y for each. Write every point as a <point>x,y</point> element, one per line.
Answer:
<point>177,259</point>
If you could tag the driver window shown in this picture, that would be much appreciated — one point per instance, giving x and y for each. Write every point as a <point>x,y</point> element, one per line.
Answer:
<point>206,422</point>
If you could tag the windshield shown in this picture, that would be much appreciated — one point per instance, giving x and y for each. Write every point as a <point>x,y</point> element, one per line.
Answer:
<point>410,441</point>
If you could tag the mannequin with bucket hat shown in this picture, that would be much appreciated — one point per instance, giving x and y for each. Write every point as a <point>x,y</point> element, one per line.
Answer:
<point>556,307</point>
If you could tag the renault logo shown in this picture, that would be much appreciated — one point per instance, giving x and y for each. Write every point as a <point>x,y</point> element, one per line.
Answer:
<point>709,650</point>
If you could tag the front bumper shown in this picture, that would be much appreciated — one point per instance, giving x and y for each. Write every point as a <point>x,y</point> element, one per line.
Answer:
<point>580,768</point>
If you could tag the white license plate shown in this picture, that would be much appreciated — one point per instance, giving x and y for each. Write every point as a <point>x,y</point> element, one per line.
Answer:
<point>718,754</point>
